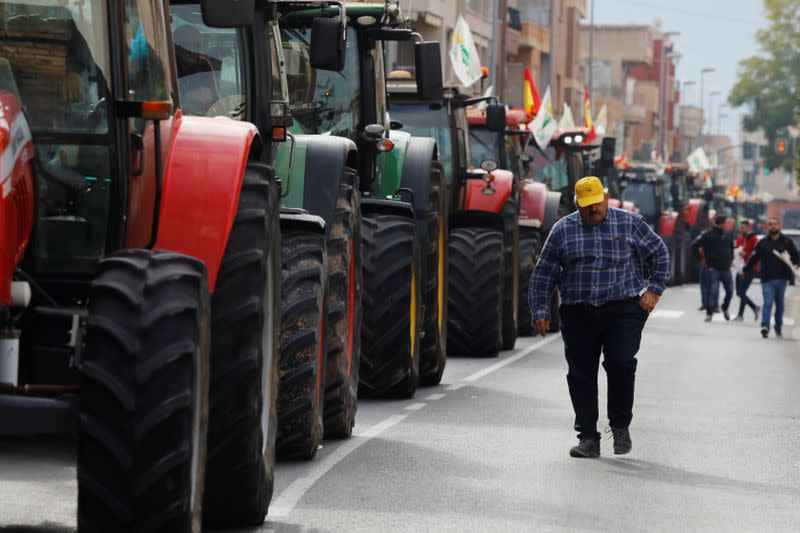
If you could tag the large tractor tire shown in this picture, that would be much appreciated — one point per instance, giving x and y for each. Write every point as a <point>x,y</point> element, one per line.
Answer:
<point>433,357</point>
<point>244,362</point>
<point>344,311</point>
<point>390,344</point>
<point>144,395</point>
<point>303,348</point>
<point>672,246</point>
<point>511,263</point>
<point>475,292</point>
<point>530,245</point>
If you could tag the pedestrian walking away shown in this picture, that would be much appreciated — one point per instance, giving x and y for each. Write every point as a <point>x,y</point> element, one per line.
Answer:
<point>611,269</point>
<point>743,249</point>
<point>717,250</point>
<point>775,273</point>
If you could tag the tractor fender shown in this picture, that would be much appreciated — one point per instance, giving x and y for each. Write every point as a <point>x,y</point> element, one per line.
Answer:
<point>692,213</point>
<point>317,172</point>
<point>667,223</point>
<point>300,219</point>
<point>416,173</point>
<point>202,180</point>
<point>551,210</point>
<point>471,219</point>
<point>477,201</point>
<point>393,207</point>
<point>391,165</point>
<point>532,204</point>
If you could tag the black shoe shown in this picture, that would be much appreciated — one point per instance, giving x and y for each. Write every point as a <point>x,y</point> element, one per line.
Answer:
<point>622,440</point>
<point>757,312</point>
<point>725,314</point>
<point>778,334</point>
<point>701,308</point>
<point>716,309</point>
<point>586,448</point>
<point>764,332</point>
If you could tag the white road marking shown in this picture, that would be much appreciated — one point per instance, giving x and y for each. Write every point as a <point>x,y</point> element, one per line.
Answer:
<point>454,386</point>
<point>289,498</point>
<point>500,364</point>
<point>434,397</point>
<point>666,313</point>
<point>415,406</point>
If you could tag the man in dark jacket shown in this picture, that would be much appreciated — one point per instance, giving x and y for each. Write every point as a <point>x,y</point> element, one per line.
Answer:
<point>775,273</point>
<point>717,248</point>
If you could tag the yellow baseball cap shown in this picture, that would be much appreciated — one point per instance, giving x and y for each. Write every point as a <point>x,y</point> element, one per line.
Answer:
<point>588,191</point>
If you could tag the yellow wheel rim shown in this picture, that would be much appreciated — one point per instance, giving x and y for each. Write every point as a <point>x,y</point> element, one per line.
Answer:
<point>441,280</point>
<point>413,314</point>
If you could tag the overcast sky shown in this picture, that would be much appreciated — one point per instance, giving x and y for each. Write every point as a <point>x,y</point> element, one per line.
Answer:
<point>714,33</point>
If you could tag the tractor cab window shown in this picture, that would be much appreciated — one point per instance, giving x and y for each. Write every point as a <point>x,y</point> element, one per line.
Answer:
<point>55,62</point>
<point>211,79</point>
<point>428,120</point>
<point>483,145</point>
<point>551,170</point>
<point>321,101</point>
<point>146,44</point>
<point>462,143</point>
<point>643,194</point>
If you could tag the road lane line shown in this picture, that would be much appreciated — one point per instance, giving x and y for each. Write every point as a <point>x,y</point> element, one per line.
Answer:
<point>415,406</point>
<point>289,498</point>
<point>500,364</point>
<point>454,386</point>
<point>667,313</point>
<point>437,396</point>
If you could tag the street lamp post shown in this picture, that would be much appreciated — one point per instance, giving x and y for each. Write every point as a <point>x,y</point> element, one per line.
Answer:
<point>703,73</point>
<point>720,114</point>
<point>662,112</point>
<point>711,111</point>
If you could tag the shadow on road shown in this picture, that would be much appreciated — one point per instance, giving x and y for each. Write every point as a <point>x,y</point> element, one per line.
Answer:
<point>651,471</point>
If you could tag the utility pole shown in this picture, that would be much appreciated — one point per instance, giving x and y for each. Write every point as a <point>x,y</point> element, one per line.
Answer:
<point>551,73</point>
<point>662,111</point>
<point>500,37</point>
<point>702,100</point>
<point>494,48</point>
<point>591,59</point>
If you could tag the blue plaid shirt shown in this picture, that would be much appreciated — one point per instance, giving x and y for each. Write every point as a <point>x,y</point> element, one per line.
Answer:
<point>600,264</point>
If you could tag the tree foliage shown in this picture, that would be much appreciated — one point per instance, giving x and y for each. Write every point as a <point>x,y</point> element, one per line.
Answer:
<point>768,83</point>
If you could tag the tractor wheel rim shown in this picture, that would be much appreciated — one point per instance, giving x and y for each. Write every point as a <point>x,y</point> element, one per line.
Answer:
<point>351,300</point>
<point>266,358</point>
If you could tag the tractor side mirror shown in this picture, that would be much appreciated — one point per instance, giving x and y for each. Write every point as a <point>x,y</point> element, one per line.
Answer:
<point>496,117</point>
<point>327,44</point>
<point>607,149</point>
<point>428,61</point>
<point>228,13</point>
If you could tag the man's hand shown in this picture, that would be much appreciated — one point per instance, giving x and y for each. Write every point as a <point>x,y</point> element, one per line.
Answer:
<point>542,326</point>
<point>649,300</point>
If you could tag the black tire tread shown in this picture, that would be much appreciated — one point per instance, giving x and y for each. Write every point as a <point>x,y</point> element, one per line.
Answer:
<point>389,363</point>
<point>530,245</point>
<point>300,370</point>
<point>147,346</point>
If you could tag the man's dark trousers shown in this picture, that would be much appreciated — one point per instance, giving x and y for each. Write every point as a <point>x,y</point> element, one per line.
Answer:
<point>742,284</point>
<point>717,276</point>
<point>616,330</point>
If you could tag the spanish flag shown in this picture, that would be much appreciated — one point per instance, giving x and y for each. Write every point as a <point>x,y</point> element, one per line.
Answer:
<point>531,101</point>
<point>588,123</point>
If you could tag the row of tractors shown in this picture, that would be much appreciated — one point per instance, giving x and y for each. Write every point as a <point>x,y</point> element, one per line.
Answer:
<point>214,240</point>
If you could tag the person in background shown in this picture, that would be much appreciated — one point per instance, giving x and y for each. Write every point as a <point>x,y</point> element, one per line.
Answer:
<point>717,248</point>
<point>611,269</point>
<point>705,283</point>
<point>744,245</point>
<point>775,273</point>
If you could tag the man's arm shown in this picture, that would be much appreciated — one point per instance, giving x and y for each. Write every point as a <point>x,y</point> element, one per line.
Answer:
<point>751,263</point>
<point>545,276</point>
<point>654,253</point>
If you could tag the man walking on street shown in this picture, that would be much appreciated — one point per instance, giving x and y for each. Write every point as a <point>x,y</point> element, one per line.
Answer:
<point>775,273</point>
<point>745,244</point>
<point>718,253</point>
<point>602,259</point>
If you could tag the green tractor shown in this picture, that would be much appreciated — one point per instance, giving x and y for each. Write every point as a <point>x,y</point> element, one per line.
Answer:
<point>482,217</point>
<point>239,73</point>
<point>403,339</point>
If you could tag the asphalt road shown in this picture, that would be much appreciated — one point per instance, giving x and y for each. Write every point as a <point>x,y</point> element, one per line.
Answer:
<point>716,446</point>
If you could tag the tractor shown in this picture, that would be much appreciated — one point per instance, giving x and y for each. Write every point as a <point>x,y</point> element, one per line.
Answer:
<point>140,277</point>
<point>400,185</point>
<point>480,235</point>
<point>319,220</point>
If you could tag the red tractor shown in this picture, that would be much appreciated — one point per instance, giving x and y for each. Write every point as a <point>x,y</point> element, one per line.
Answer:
<point>139,270</point>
